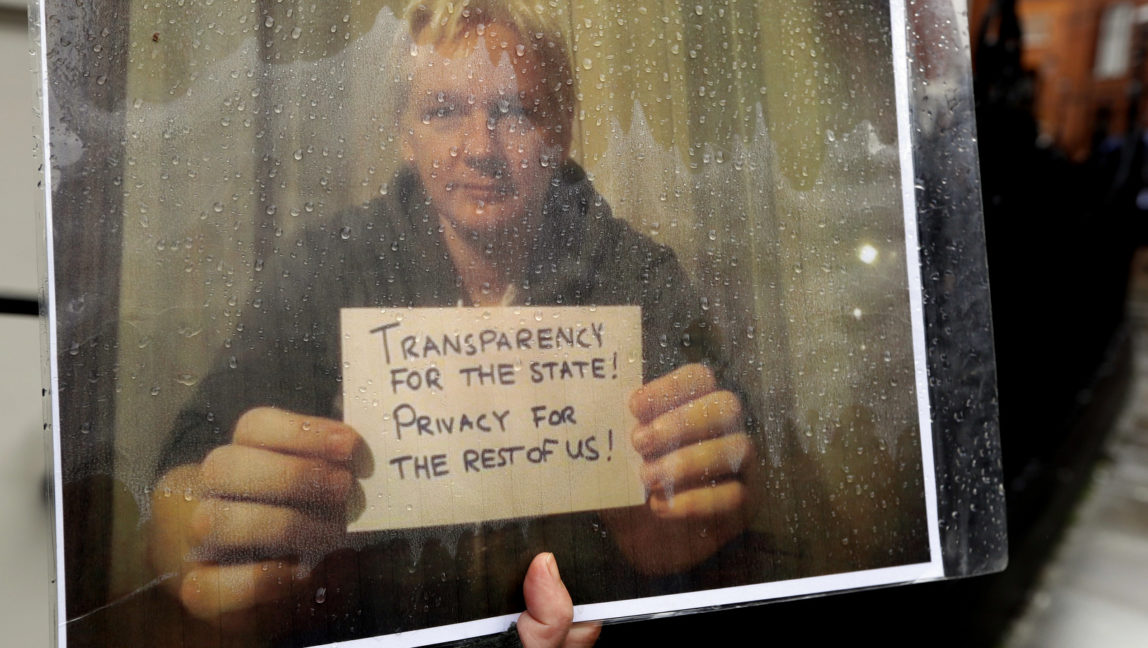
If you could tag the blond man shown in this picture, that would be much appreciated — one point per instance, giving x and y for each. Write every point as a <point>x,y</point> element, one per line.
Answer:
<point>487,210</point>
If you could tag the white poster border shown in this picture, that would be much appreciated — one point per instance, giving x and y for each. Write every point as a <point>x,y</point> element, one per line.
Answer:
<point>657,605</point>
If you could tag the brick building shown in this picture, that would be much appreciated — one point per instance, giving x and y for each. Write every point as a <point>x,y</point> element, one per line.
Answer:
<point>1084,54</point>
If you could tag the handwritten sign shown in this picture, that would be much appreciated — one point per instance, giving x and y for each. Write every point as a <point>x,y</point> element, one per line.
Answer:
<point>475,414</point>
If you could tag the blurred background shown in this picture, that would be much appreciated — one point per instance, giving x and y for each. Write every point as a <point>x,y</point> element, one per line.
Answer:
<point>1058,85</point>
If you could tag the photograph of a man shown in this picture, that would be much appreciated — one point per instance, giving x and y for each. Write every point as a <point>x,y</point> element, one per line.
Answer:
<point>249,510</point>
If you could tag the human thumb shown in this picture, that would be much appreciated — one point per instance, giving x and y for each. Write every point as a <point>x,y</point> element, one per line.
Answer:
<point>546,623</point>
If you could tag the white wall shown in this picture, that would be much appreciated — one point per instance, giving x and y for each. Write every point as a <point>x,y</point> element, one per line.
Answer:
<point>17,254</point>
<point>25,541</point>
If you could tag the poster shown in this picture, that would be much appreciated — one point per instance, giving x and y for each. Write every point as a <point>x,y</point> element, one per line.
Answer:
<point>225,180</point>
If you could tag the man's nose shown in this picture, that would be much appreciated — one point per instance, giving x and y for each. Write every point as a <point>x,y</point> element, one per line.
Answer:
<point>481,147</point>
<point>492,165</point>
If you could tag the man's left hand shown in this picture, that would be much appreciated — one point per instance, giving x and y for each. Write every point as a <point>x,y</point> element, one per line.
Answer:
<point>697,461</point>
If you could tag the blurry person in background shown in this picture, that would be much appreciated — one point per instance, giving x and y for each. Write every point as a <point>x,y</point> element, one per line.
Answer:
<point>250,504</point>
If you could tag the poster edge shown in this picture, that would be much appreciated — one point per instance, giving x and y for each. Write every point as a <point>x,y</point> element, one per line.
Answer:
<point>59,615</point>
<point>898,21</point>
<point>635,609</point>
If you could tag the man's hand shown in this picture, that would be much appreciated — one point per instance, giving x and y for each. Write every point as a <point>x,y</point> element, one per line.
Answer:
<point>697,461</point>
<point>547,621</point>
<point>241,529</point>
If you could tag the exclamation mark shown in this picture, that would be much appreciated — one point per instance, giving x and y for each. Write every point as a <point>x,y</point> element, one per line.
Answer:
<point>615,376</point>
<point>610,438</point>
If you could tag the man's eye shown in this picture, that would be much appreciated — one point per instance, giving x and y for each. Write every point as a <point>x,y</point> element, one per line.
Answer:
<point>438,112</point>
<point>510,113</point>
<point>513,109</point>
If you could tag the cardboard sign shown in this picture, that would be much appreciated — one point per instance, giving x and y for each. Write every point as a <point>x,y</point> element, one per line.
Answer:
<point>475,414</point>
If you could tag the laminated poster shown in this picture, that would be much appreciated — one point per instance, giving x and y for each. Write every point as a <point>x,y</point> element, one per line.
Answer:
<point>352,309</point>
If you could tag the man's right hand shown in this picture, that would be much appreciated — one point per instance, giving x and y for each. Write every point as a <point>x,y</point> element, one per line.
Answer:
<point>241,529</point>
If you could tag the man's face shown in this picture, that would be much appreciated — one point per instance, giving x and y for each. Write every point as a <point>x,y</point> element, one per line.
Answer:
<point>469,132</point>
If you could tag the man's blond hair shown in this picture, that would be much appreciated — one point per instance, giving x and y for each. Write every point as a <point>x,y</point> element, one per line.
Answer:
<point>437,22</point>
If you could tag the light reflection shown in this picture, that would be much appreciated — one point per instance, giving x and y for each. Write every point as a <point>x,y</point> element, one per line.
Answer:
<point>867,253</point>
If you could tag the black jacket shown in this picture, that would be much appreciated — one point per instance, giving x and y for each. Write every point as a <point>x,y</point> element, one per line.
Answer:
<point>390,252</point>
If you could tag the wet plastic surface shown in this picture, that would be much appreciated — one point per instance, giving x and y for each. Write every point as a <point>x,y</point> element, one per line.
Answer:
<point>193,149</point>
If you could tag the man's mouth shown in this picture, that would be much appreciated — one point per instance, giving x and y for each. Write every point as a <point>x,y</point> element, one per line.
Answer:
<point>485,191</point>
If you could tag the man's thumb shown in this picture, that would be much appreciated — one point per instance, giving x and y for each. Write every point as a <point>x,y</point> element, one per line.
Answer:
<point>549,610</point>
